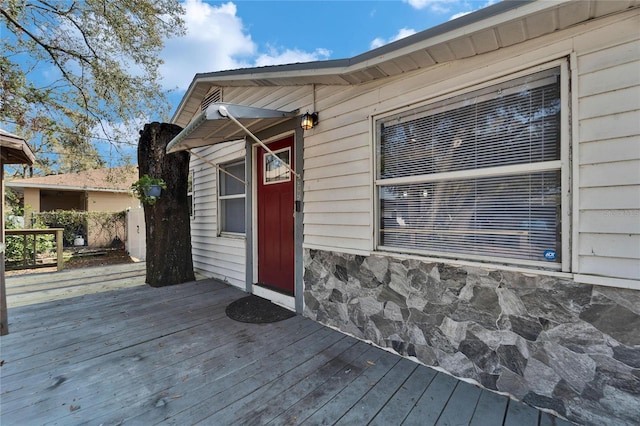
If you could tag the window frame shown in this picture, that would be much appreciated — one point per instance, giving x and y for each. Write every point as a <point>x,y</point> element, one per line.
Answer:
<point>191,193</point>
<point>222,198</point>
<point>562,164</point>
<point>266,155</point>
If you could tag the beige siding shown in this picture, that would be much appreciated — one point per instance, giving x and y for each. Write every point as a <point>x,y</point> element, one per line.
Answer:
<point>31,204</point>
<point>213,255</point>
<point>608,242</point>
<point>110,201</point>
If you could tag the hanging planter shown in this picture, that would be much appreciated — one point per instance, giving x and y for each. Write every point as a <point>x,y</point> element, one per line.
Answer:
<point>148,189</point>
<point>153,191</point>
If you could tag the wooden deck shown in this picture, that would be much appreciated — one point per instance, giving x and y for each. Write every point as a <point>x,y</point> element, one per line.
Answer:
<point>139,355</point>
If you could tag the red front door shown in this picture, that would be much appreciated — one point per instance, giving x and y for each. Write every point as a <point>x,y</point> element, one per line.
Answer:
<point>276,206</point>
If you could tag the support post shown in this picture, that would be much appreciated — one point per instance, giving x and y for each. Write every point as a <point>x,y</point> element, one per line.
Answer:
<point>59,252</point>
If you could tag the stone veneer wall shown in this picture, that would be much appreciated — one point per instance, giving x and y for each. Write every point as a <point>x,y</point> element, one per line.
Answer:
<point>553,343</point>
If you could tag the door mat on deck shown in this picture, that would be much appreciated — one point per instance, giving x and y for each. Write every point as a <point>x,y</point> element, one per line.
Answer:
<point>254,309</point>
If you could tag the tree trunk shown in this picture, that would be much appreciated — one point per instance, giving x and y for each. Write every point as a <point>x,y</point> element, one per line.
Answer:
<point>168,228</point>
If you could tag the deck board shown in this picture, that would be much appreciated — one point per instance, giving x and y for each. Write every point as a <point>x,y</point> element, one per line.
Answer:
<point>379,394</point>
<point>37,288</point>
<point>405,398</point>
<point>461,405</point>
<point>342,402</point>
<point>428,408</point>
<point>490,409</point>
<point>141,355</point>
<point>83,346</point>
<point>301,393</point>
<point>521,415</point>
<point>320,395</point>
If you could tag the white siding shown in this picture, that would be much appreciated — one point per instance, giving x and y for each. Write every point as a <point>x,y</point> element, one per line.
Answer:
<point>338,153</point>
<point>608,231</point>
<point>214,256</point>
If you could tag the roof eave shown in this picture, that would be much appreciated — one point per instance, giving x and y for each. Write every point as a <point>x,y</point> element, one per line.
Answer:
<point>15,149</point>
<point>14,184</point>
<point>492,17</point>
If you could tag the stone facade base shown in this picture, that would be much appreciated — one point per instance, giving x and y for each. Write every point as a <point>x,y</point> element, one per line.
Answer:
<point>552,343</point>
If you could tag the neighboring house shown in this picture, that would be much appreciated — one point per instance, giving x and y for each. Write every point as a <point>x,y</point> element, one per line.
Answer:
<point>91,190</point>
<point>469,197</point>
<point>13,150</point>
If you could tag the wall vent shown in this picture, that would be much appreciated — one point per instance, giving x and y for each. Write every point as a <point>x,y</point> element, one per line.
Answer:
<point>215,96</point>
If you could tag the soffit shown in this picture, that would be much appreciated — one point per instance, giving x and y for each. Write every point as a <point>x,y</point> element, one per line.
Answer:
<point>14,149</point>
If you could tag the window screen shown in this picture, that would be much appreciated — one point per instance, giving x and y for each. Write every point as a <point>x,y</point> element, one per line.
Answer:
<point>232,198</point>
<point>476,174</point>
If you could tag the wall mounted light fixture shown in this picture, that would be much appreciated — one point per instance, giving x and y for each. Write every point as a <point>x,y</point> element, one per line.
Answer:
<point>309,121</point>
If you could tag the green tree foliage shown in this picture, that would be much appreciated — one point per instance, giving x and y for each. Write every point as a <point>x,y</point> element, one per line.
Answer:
<point>70,69</point>
<point>12,204</point>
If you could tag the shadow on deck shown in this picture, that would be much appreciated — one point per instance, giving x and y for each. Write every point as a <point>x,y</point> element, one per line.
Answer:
<point>140,355</point>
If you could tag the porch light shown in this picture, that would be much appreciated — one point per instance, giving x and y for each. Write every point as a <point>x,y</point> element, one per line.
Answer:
<point>309,121</point>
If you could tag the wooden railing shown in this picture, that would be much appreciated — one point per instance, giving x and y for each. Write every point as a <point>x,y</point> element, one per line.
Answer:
<point>31,261</point>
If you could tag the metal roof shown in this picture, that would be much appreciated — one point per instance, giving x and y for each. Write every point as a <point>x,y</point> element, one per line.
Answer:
<point>214,126</point>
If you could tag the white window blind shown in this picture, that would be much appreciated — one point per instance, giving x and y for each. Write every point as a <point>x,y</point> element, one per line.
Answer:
<point>477,175</point>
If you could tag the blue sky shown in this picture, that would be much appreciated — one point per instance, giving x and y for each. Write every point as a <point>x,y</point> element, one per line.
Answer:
<point>230,35</point>
<point>222,35</point>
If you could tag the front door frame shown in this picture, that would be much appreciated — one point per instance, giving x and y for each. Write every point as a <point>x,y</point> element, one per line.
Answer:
<point>276,133</point>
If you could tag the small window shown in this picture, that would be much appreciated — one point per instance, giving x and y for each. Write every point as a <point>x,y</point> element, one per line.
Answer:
<point>477,176</point>
<point>275,166</point>
<point>231,196</point>
<point>190,194</point>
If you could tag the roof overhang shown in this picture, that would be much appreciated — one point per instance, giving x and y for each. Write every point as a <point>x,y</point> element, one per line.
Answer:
<point>503,24</point>
<point>14,149</point>
<point>214,126</point>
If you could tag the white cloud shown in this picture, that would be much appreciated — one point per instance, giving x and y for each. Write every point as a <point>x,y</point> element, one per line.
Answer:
<point>447,6</point>
<point>460,14</point>
<point>217,40</point>
<point>290,56</point>
<point>439,6</point>
<point>404,32</point>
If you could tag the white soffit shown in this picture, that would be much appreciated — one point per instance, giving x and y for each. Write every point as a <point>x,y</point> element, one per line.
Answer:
<point>213,126</point>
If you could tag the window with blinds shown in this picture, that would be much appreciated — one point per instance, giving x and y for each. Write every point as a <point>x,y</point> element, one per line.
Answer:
<point>476,176</point>
<point>231,198</point>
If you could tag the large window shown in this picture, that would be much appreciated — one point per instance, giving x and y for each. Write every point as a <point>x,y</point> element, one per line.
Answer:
<point>477,176</point>
<point>231,196</point>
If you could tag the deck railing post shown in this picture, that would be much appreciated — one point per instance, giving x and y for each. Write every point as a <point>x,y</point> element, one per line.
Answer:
<point>31,261</point>
<point>35,250</point>
<point>24,250</point>
<point>60,261</point>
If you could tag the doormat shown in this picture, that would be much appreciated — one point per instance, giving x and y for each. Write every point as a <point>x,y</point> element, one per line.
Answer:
<point>256,310</point>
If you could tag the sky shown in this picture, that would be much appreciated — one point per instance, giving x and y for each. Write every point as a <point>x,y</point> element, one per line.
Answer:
<point>223,35</point>
<point>239,34</point>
